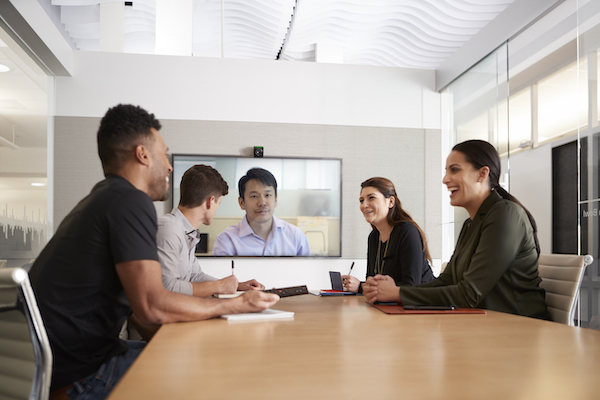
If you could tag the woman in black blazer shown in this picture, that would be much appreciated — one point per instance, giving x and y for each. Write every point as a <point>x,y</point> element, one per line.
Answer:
<point>397,246</point>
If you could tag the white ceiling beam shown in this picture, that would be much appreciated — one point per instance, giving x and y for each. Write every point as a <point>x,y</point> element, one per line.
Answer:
<point>507,24</point>
<point>37,35</point>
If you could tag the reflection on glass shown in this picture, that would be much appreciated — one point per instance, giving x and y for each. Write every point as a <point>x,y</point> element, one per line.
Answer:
<point>519,126</point>
<point>24,219</point>
<point>598,91</point>
<point>477,98</point>
<point>23,222</point>
<point>557,96</point>
<point>474,128</point>
<point>308,196</point>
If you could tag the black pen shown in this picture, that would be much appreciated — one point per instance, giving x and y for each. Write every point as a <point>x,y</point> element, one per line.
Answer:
<point>352,266</point>
<point>232,272</point>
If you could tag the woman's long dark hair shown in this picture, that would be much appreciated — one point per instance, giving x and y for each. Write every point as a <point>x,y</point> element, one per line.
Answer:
<point>480,153</point>
<point>396,214</point>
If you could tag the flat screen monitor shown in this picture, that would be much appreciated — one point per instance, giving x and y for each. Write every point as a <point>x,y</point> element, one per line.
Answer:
<point>308,196</point>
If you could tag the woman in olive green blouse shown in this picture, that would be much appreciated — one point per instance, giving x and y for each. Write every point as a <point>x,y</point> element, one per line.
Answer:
<point>494,265</point>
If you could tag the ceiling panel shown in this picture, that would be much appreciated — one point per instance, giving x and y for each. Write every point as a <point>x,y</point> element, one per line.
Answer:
<point>393,33</point>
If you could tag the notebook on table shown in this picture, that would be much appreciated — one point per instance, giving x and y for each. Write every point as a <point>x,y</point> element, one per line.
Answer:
<point>268,314</point>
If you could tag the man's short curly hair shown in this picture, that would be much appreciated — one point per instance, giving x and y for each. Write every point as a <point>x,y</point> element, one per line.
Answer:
<point>122,128</point>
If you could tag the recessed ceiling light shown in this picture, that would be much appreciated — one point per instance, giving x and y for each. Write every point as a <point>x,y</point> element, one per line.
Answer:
<point>37,184</point>
<point>4,68</point>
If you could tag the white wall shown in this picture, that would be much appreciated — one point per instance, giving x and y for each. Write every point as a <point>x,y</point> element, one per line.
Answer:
<point>250,90</point>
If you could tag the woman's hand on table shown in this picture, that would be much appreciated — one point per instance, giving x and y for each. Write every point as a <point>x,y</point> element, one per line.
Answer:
<point>381,288</point>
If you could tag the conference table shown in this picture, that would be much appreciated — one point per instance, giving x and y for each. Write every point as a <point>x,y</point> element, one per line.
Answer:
<point>341,347</point>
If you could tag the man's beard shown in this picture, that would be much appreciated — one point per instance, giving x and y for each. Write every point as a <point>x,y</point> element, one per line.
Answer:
<point>159,189</point>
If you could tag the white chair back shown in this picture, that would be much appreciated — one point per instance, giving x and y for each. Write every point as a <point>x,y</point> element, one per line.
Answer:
<point>25,355</point>
<point>561,278</point>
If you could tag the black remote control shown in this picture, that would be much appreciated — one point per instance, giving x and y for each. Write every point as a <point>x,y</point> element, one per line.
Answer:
<point>289,291</point>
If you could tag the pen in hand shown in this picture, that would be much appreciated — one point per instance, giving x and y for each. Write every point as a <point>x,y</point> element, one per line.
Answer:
<point>352,266</point>
<point>232,271</point>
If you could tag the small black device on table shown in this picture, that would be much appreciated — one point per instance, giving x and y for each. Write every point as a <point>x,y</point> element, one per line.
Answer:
<point>288,291</point>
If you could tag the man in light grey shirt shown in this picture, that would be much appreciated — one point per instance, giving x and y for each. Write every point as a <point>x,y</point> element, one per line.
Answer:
<point>201,189</point>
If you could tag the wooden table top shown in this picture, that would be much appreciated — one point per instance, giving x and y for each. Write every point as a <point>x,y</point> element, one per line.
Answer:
<point>340,347</point>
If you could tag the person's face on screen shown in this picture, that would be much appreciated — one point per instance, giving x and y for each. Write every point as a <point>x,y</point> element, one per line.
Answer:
<point>374,206</point>
<point>467,186</point>
<point>160,169</point>
<point>259,201</point>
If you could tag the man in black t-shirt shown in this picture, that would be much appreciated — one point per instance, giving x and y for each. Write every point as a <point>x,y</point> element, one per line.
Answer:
<point>102,263</point>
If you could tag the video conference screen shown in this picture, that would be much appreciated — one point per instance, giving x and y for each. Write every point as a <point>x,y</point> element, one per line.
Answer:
<point>308,196</point>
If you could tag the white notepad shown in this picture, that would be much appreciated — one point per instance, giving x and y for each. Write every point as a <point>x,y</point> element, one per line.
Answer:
<point>229,296</point>
<point>264,315</point>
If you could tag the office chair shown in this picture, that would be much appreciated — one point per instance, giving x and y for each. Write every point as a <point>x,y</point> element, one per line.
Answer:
<point>561,278</point>
<point>25,355</point>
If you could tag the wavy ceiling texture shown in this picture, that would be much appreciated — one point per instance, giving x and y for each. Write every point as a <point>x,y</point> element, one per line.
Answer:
<point>393,33</point>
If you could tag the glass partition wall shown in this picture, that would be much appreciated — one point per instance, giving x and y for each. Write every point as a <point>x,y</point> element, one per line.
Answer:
<point>474,107</point>
<point>536,99</point>
<point>24,97</point>
<point>588,133</point>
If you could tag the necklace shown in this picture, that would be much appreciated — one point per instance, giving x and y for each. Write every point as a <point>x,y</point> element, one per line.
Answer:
<point>380,261</point>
